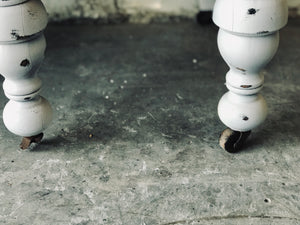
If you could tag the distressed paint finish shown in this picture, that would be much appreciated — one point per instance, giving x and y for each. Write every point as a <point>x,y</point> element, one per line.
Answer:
<point>248,39</point>
<point>22,46</point>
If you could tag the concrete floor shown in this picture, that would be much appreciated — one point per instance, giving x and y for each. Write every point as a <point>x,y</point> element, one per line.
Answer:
<point>135,134</point>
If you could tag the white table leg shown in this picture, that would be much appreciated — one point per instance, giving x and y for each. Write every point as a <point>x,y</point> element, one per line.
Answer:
<point>248,39</point>
<point>22,46</point>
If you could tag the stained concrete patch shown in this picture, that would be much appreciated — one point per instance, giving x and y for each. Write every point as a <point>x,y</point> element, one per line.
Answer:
<point>125,148</point>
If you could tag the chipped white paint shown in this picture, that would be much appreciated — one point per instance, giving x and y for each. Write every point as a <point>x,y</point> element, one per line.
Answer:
<point>248,39</point>
<point>251,17</point>
<point>22,47</point>
<point>24,19</point>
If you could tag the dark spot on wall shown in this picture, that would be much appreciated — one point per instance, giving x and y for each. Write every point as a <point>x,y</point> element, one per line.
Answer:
<point>252,11</point>
<point>25,63</point>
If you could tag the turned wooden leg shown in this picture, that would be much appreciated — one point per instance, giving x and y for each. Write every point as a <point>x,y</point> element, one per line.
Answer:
<point>22,47</point>
<point>248,39</point>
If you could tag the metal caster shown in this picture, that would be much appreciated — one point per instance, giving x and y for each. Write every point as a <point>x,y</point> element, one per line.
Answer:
<point>232,141</point>
<point>27,141</point>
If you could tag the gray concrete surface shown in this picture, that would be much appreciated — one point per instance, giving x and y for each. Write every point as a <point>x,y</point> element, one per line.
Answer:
<point>135,134</point>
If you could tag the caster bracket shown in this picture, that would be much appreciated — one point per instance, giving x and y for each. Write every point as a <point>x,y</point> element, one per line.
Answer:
<point>232,141</point>
<point>27,141</point>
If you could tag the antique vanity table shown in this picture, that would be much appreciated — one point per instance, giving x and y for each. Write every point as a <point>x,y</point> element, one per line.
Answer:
<point>248,39</point>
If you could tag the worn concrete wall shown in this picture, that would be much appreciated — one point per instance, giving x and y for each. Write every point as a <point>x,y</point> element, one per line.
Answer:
<point>294,7</point>
<point>136,11</point>
<point>73,9</point>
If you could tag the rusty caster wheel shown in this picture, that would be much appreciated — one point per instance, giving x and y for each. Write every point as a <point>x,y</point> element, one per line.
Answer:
<point>27,141</point>
<point>232,141</point>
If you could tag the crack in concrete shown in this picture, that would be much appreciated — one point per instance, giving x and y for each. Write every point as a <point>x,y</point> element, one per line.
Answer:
<point>210,218</point>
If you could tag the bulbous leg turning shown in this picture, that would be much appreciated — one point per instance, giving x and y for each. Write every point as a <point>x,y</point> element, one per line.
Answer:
<point>28,118</point>
<point>241,114</point>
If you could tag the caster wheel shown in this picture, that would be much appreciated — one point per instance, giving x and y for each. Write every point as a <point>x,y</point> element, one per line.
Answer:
<point>232,141</point>
<point>204,17</point>
<point>27,141</point>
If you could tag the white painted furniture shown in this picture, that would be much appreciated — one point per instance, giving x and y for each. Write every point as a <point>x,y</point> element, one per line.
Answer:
<point>22,46</point>
<point>248,39</point>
